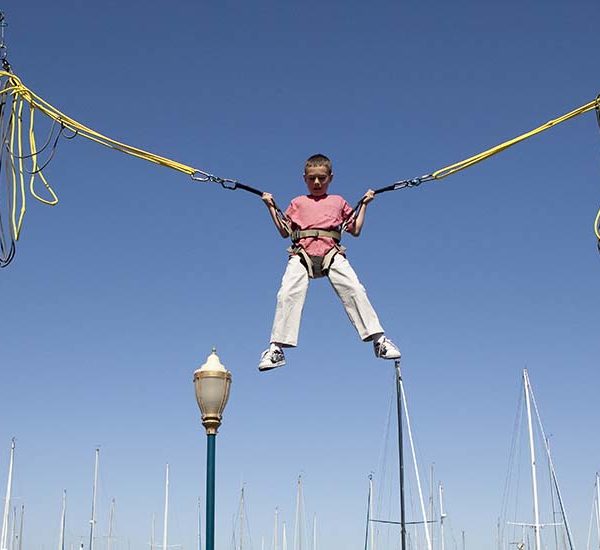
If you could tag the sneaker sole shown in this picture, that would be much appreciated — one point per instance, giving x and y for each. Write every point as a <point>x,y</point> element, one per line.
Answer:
<point>395,358</point>
<point>391,358</point>
<point>263,368</point>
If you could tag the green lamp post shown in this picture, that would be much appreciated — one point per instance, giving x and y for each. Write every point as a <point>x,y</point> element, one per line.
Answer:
<point>212,382</point>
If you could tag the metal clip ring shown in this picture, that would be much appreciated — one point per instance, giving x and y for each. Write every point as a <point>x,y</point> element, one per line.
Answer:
<point>199,175</point>
<point>231,185</point>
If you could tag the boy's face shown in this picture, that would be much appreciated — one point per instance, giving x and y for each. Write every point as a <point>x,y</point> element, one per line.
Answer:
<point>317,179</point>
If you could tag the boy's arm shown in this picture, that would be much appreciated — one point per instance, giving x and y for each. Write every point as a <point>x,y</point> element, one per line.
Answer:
<point>267,198</point>
<point>359,221</point>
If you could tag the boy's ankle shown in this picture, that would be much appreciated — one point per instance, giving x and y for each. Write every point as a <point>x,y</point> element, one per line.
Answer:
<point>376,338</point>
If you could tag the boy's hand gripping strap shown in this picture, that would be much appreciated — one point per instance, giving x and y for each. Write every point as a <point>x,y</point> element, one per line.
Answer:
<point>233,185</point>
<point>403,184</point>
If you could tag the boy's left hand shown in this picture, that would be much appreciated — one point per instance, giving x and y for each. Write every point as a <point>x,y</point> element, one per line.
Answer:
<point>368,196</point>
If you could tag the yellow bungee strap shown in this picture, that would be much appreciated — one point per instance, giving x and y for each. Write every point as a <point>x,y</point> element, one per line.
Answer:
<point>458,166</point>
<point>13,135</point>
<point>21,94</point>
<point>479,157</point>
<point>19,90</point>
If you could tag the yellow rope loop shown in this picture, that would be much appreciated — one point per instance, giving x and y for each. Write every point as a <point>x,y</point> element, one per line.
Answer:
<point>17,183</point>
<point>17,154</point>
<point>15,86</point>
<point>35,170</point>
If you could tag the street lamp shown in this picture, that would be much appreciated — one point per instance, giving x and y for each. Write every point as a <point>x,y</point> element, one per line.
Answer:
<point>212,382</point>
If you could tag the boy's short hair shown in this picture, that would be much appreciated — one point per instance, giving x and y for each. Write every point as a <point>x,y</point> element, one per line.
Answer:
<point>319,160</point>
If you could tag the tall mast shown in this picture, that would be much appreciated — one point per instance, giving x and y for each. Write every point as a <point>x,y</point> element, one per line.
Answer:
<point>536,511</point>
<point>93,519</point>
<point>13,529</point>
<point>400,389</point>
<point>242,520</point>
<point>165,524</point>
<point>597,509</point>
<point>276,531</point>
<point>199,524</point>
<point>63,517</point>
<point>111,517</point>
<point>3,539</point>
<point>299,518</point>
<point>442,516</point>
<point>152,537</point>
<point>284,538</point>
<point>20,545</point>
<point>547,441</point>
<point>400,455</point>
<point>370,529</point>
<point>431,500</point>
<point>314,547</point>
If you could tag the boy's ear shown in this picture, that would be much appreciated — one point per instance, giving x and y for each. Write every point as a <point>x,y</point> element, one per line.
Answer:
<point>330,176</point>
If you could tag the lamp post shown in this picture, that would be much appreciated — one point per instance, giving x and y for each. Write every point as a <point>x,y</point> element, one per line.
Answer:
<point>212,382</point>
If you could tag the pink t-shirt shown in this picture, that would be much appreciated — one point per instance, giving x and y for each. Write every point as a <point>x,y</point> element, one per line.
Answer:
<point>324,212</point>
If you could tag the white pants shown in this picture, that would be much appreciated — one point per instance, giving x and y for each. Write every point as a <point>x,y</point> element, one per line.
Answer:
<point>291,295</point>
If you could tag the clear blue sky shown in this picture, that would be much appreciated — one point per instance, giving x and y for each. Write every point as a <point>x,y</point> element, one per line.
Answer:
<point>117,294</point>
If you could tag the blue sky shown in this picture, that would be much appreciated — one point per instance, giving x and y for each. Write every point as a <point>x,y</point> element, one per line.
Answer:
<point>117,294</point>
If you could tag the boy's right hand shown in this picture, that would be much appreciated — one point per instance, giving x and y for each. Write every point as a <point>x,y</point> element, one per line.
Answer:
<point>268,199</point>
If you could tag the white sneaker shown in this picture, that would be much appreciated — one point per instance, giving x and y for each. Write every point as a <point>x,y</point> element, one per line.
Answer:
<point>271,359</point>
<point>384,348</point>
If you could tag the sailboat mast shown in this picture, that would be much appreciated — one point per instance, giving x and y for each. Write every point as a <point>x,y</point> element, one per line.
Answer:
<point>111,516</point>
<point>442,516</point>
<point>276,531</point>
<point>299,519</point>
<point>597,509</point>
<point>547,441</point>
<point>63,516</point>
<point>370,534</point>
<point>165,522</point>
<point>536,511</point>
<point>242,520</point>
<point>284,538</point>
<point>400,454</point>
<point>20,545</point>
<point>3,539</point>
<point>314,547</point>
<point>199,524</point>
<point>13,529</point>
<point>431,500</point>
<point>152,537</point>
<point>93,519</point>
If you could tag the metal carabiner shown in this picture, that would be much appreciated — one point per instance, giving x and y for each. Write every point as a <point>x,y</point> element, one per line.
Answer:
<point>199,175</point>
<point>228,184</point>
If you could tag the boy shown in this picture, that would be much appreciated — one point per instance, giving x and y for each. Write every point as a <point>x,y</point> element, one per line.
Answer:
<point>316,220</point>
